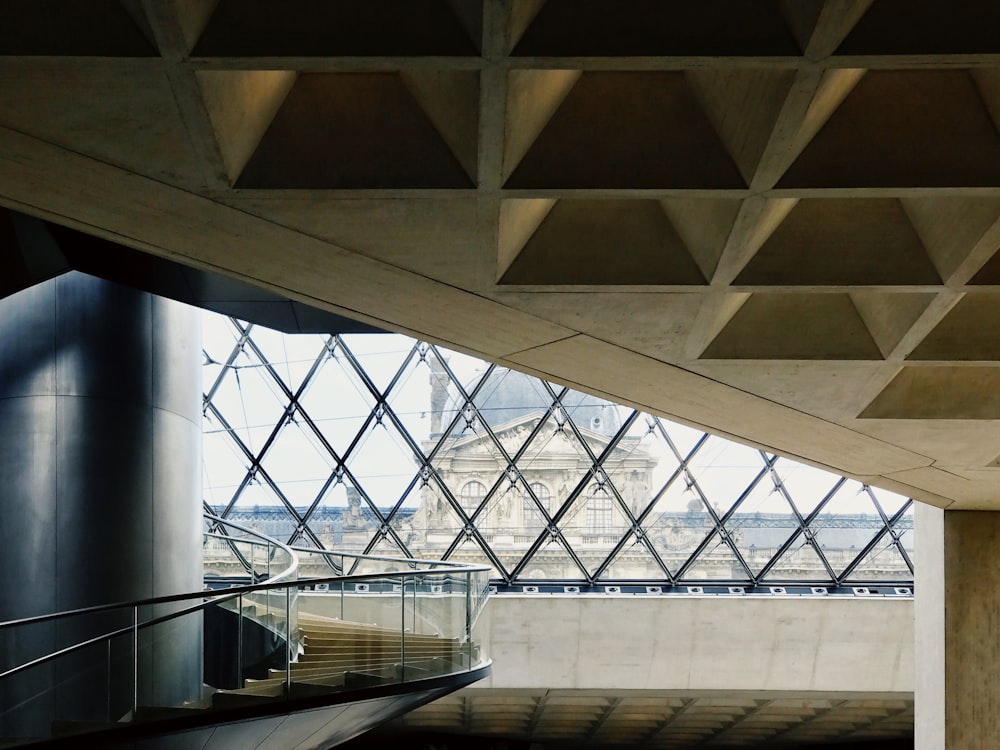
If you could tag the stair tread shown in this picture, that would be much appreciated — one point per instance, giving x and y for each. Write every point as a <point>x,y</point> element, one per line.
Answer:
<point>259,689</point>
<point>68,727</point>
<point>233,699</point>
<point>154,713</point>
<point>391,648</point>
<point>440,667</point>
<point>322,638</point>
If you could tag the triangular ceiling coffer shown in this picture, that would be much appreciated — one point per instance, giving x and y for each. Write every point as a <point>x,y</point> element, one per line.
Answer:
<point>352,131</point>
<point>332,28</point>
<point>795,326</point>
<point>943,27</point>
<point>56,28</point>
<point>604,242</point>
<point>989,274</point>
<point>628,130</point>
<point>587,28</point>
<point>939,392</point>
<point>969,332</point>
<point>836,242</point>
<point>904,128</point>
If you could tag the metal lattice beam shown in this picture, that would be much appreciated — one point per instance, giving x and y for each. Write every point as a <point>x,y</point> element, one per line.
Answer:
<point>514,455</point>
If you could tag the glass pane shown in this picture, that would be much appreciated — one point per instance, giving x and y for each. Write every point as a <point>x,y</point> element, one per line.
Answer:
<point>799,563</point>
<point>891,502</point>
<point>405,521</point>
<point>633,562</point>
<point>218,336</point>
<point>716,562</point>
<point>383,464</point>
<point>678,523</point>
<point>594,525</point>
<point>411,397</point>
<point>882,563</point>
<point>446,399</point>
<point>557,459</point>
<point>343,520</point>
<point>469,551</point>
<point>259,508</point>
<point>470,455</point>
<point>761,524</point>
<point>597,420</point>
<point>806,485</point>
<point>225,466</point>
<point>551,562</point>
<point>683,439</point>
<point>383,356</point>
<point>337,402</point>
<point>296,465</point>
<point>724,470</point>
<point>512,521</point>
<point>261,400</point>
<point>846,524</point>
<point>435,523</point>
<point>641,464</point>
<point>536,505</point>
<point>290,357</point>
<point>509,397</point>
<point>907,539</point>
<point>325,527</point>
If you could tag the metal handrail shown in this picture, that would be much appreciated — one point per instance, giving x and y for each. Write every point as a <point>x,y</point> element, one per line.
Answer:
<point>109,635</point>
<point>282,575</point>
<point>249,588</point>
<point>269,541</point>
<point>225,595</point>
<point>411,561</point>
<point>233,592</point>
<point>436,566</point>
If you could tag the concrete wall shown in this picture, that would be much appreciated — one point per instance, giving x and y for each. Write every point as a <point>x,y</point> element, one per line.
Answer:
<point>929,627</point>
<point>958,630</point>
<point>827,644</point>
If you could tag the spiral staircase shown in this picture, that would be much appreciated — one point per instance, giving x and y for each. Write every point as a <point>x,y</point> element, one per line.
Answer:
<point>282,657</point>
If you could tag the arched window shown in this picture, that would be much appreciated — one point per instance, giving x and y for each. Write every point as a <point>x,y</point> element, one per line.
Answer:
<point>530,509</point>
<point>472,494</point>
<point>598,510</point>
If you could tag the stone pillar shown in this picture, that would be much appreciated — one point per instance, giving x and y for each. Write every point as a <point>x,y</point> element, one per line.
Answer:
<point>100,491</point>
<point>957,629</point>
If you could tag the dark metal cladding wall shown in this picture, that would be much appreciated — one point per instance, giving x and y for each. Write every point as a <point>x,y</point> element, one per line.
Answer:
<point>100,473</point>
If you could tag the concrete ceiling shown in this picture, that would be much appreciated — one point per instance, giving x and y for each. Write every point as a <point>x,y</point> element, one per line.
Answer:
<point>777,220</point>
<point>664,719</point>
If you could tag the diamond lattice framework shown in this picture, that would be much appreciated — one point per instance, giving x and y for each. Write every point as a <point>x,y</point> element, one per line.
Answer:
<point>386,445</point>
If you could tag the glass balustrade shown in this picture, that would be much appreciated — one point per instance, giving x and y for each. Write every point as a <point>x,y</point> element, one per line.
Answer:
<point>305,624</point>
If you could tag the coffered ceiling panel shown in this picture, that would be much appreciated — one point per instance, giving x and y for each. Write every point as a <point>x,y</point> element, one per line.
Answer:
<point>842,242</point>
<point>353,130</point>
<point>905,128</point>
<point>61,28</point>
<point>597,241</point>
<point>323,28</point>
<point>929,27</point>
<point>820,179</point>
<point>571,28</point>
<point>795,326</point>
<point>639,129</point>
